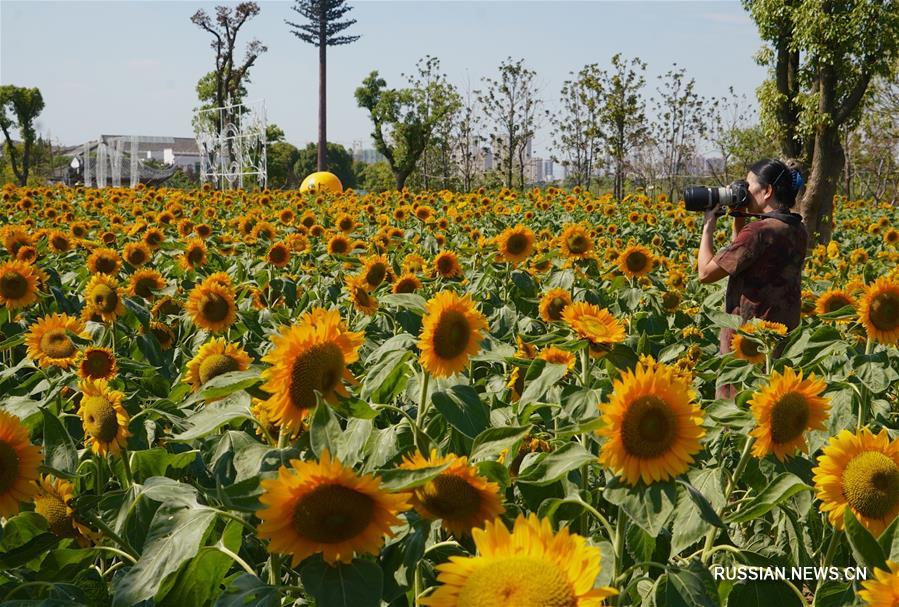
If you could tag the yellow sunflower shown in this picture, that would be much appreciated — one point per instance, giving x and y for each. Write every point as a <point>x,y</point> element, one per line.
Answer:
<point>451,332</point>
<point>462,498</point>
<point>194,255</point>
<point>278,255</point>
<point>52,501</point>
<point>553,303</point>
<point>137,254</point>
<point>309,356</point>
<point>558,356</point>
<point>515,244</point>
<point>761,333</point>
<point>211,306</point>
<point>860,471</point>
<point>407,283</point>
<point>104,261</point>
<point>339,245</point>
<point>594,324</point>
<point>576,242</point>
<point>375,271</point>
<point>144,283</point>
<point>19,460</point>
<point>358,288</point>
<point>784,410</point>
<point>652,424</point>
<point>105,421</point>
<point>446,265</point>
<point>18,284</point>
<point>526,567</point>
<point>879,310</point>
<point>103,297</point>
<point>326,508</point>
<point>883,590</point>
<point>97,363</point>
<point>636,261</point>
<point>833,300</point>
<point>215,358</point>
<point>49,344</point>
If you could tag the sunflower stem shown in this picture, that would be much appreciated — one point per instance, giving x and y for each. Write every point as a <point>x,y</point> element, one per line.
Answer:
<point>422,404</point>
<point>227,552</point>
<point>620,528</point>
<point>585,367</point>
<point>99,482</point>
<point>126,466</point>
<point>105,530</point>
<point>274,569</point>
<point>731,485</point>
<point>869,346</point>
<point>831,548</point>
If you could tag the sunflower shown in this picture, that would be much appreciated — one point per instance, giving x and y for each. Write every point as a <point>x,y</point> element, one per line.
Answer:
<point>528,566</point>
<point>553,303</point>
<point>163,334</point>
<point>879,310</point>
<point>211,306</point>
<point>104,261</point>
<point>594,324</point>
<point>558,356</point>
<point>760,334</point>
<point>883,590</point>
<point>103,297</point>
<point>407,283</point>
<point>143,283</point>
<point>635,261</point>
<point>326,508</point>
<point>860,471</point>
<point>376,270</point>
<point>459,496</point>
<point>194,255</point>
<point>97,363</point>
<point>19,460</point>
<point>652,424</point>
<point>446,265</point>
<point>358,288</point>
<point>746,348</point>
<point>105,421</point>
<point>671,300</point>
<point>833,300</point>
<point>452,331</point>
<point>515,244</point>
<point>784,409</point>
<point>59,242</point>
<point>49,344</point>
<point>52,501</point>
<point>215,358</point>
<point>18,284</point>
<point>339,245</point>
<point>576,242</point>
<point>308,357</point>
<point>278,255</point>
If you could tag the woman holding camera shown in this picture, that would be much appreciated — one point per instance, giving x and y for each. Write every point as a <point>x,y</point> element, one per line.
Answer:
<point>764,261</point>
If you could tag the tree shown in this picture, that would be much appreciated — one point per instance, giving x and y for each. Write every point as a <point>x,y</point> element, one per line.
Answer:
<point>468,142</point>
<point>25,105</point>
<point>341,163</point>
<point>822,56</point>
<point>622,115</point>
<point>282,157</point>
<point>404,119</point>
<point>322,31</point>
<point>511,103</point>
<point>226,82</point>
<point>377,177</point>
<point>578,136</point>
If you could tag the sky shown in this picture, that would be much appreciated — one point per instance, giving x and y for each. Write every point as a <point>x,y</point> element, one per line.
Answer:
<point>130,68</point>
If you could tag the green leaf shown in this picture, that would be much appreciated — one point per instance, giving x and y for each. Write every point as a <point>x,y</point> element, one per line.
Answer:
<point>136,308</point>
<point>387,371</point>
<point>875,372</point>
<point>696,512</point>
<point>547,468</point>
<point>782,488</point>
<point>690,587</point>
<point>763,594</point>
<point>650,507</point>
<point>406,301</point>
<point>210,417</point>
<point>834,594</point>
<point>491,442</point>
<point>157,462</point>
<point>463,410</point>
<point>249,590</point>
<point>228,383</point>
<point>175,535</point>
<point>889,541</point>
<point>550,375</point>
<point>864,547</point>
<point>724,320</point>
<point>639,544</point>
<point>324,430</point>
<point>25,537</point>
<point>358,584</point>
<point>398,479</point>
<point>59,449</point>
<point>354,408</point>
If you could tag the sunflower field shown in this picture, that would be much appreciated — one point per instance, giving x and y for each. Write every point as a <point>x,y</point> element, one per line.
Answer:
<point>489,399</point>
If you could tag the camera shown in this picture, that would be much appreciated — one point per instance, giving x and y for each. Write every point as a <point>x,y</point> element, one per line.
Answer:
<point>701,198</point>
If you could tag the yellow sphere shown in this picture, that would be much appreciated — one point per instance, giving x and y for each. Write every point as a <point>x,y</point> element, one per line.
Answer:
<point>322,181</point>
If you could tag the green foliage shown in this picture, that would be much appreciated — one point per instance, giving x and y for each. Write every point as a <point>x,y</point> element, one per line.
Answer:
<point>282,157</point>
<point>19,107</point>
<point>340,162</point>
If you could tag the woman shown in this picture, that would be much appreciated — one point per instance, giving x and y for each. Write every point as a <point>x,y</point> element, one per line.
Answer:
<point>765,258</point>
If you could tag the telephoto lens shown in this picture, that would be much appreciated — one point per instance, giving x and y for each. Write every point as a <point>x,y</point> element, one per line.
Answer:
<point>701,198</point>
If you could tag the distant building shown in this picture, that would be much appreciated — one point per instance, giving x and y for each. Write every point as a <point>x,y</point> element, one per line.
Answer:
<point>366,155</point>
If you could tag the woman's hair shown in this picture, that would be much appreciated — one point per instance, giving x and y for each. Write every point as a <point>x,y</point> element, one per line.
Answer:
<point>785,180</point>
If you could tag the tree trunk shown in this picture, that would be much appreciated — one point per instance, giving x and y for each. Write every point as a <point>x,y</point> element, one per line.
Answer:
<point>826,168</point>
<point>399,177</point>
<point>322,96</point>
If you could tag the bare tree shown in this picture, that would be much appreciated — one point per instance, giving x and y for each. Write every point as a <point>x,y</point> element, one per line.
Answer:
<point>468,141</point>
<point>577,133</point>
<point>622,113</point>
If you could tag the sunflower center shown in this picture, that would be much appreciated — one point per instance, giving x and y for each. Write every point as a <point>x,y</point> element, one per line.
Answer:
<point>871,484</point>
<point>331,514</point>
<point>195,255</point>
<point>517,580</point>
<point>452,334</point>
<point>750,347</point>
<point>517,244</point>
<point>13,285</point>
<point>106,265</point>
<point>789,417</point>
<point>445,265</point>
<point>278,255</point>
<point>100,420</point>
<point>319,368</point>
<point>97,363</point>
<point>104,298</point>
<point>595,327</point>
<point>450,496</point>
<point>649,427</point>
<point>215,307</point>
<point>362,297</point>
<point>54,510</point>
<point>215,365</point>
<point>636,261</point>
<point>9,466</point>
<point>339,246</point>
<point>376,274</point>
<point>577,243</point>
<point>56,344</point>
<point>884,312</point>
<point>836,302</point>
<point>144,287</point>
<point>137,257</point>
<point>555,308</point>
<point>405,286</point>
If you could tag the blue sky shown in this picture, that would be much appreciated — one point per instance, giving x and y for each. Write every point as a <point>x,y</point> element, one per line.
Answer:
<point>129,67</point>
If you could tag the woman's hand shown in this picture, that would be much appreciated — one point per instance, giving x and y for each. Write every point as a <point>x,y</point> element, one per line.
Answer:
<point>711,216</point>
